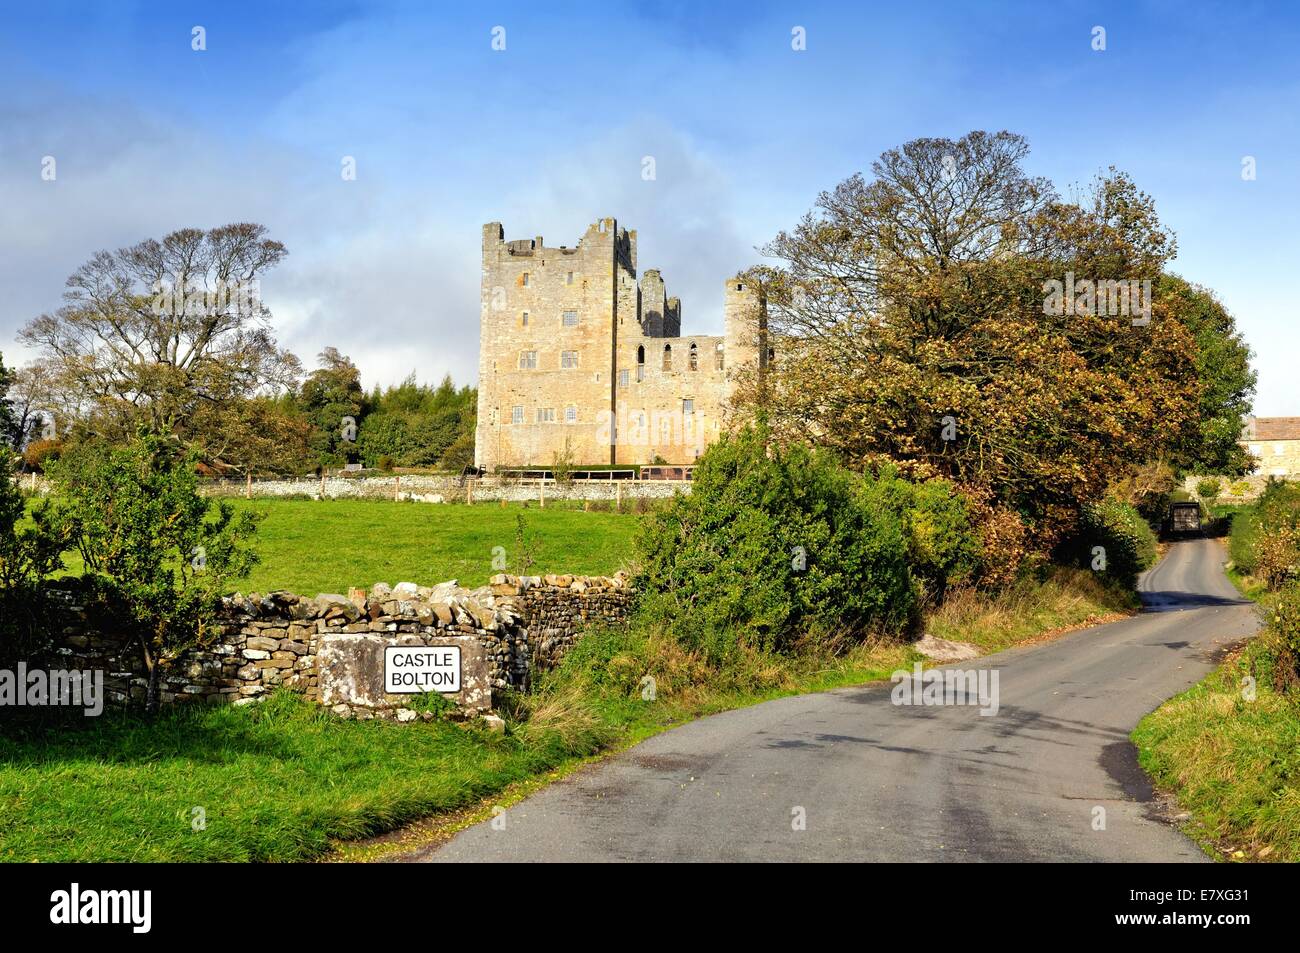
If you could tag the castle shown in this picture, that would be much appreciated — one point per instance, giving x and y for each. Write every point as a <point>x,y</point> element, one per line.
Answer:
<point>576,356</point>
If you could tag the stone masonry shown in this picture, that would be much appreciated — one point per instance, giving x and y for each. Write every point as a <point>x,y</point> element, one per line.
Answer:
<point>575,351</point>
<point>330,648</point>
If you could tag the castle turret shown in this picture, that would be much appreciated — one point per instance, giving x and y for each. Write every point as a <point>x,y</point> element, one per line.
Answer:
<point>744,319</point>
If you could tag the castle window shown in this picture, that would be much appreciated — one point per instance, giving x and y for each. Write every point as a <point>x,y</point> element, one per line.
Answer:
<point>640,363</point>
<point>570,319</point>
<point>568,359</point>
<point>546,415</point>
<point>694,358</point>
<point>524,319</point>
<point>525,279</point>
<point>623,377</point>
<point>688,406</point>
<point>528,360</point>
<point>517,415</point>
<point>570,414</point>
<point>568,278</point>
<point>719,356</point>
<point>668,357</point>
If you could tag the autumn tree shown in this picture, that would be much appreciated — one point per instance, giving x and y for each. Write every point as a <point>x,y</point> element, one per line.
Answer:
<point>171,335</point>
<point>913,325</point>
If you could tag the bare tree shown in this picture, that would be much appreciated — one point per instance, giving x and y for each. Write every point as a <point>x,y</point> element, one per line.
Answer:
<point>166,333</point>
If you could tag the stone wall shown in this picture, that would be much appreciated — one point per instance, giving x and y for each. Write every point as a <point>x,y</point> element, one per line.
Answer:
<point>330,648</point>
<point>420,488</point>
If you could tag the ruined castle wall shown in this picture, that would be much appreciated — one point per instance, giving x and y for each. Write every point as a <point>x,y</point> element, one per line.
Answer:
<point>586,386</point>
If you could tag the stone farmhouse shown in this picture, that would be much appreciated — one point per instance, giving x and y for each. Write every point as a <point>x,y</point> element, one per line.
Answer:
<point>576,355</point>
<point>1274,442</point>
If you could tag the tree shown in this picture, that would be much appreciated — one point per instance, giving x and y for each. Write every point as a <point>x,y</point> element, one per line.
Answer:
<point>334,403</point>
<point>914,325</point>
<point>157,554</point>
<point>8,420</point>
<point>167,334</point>
<point>28,555</point>
<point>1226,379</point>
<point>33,405</point>
<point>419,426</point>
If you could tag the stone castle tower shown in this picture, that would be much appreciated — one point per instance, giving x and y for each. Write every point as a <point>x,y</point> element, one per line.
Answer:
<point>575,352</point>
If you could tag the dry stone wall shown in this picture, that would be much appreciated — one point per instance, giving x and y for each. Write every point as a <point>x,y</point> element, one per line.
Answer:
<point>421,488</point>
<point>330,648</point>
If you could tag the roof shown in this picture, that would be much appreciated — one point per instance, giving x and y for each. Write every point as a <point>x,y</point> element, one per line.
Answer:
<point>1273,428</point>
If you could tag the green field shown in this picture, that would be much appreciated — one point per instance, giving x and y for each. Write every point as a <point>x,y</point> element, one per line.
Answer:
<point>310,546</point>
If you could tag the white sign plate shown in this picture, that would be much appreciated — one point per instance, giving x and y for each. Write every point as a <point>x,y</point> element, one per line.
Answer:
<point>413,669</point>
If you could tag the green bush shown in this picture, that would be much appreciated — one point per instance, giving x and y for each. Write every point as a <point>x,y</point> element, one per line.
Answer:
<point>1276,512</point>
<point>157,555</point>
<point>1128,546</point>
<point>943,547</point>
<point>773,544</point>
<point>1208,489</point>
<point>28,556</point>
<point>1282,635</point>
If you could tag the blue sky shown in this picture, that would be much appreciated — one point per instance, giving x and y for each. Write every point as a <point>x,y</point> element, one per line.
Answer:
<point>549,135</point>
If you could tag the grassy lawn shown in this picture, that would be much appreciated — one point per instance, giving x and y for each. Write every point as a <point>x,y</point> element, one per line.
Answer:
<point>1233,764</point>
<point>310,546</point>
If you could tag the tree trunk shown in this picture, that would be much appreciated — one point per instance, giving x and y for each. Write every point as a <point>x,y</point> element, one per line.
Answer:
<point>152,697</point>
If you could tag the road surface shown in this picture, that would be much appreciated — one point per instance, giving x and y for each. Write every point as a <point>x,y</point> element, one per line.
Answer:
<point>871,780</point>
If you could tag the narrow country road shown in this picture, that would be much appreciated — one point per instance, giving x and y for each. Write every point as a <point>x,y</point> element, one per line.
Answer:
<point>878,781</point>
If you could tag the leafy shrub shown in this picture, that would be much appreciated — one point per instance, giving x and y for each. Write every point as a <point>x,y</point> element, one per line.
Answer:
<point>157,554</point>
<point>1128,546</point>
<point>1148,486</point>
<point>773,544</point>
<point>1263,539</point>
<point>41,453</point>
<point>943,549</point>
<point>1003,543</point>
<point>1209,488</point>
<point>1282,635</point>
<point>28,556</point>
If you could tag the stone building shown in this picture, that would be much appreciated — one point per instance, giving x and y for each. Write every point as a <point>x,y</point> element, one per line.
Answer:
<point>1274,442</point>
<point>576,352</point>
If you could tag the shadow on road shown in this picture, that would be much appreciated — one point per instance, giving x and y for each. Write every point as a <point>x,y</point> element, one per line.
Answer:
<point>1174,601</point>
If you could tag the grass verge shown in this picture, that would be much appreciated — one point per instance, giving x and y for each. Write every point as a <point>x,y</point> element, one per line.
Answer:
<point>1232,763</point>
<point>1032,608</point>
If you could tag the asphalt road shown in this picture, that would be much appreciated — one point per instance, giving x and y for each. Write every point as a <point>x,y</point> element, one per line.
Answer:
<point>872,780</point>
